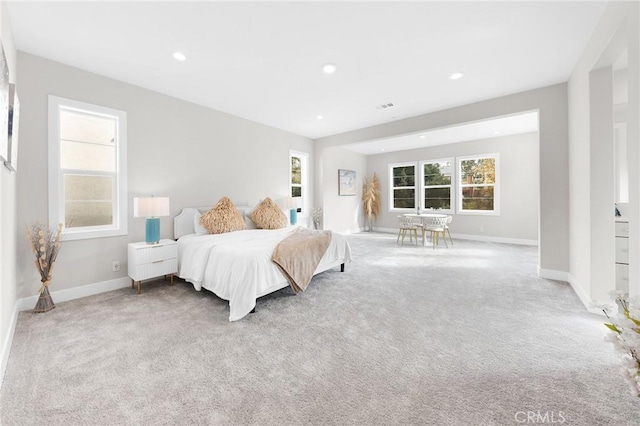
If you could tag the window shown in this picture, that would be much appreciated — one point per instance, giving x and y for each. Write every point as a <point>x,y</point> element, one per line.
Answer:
<point>478,190</point>
<point>87,169</point>
<point>298,182</point>
<point>403,186</point>
<point>436,184</point>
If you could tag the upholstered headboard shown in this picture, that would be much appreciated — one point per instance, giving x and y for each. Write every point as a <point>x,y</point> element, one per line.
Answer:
<point>183,223</point>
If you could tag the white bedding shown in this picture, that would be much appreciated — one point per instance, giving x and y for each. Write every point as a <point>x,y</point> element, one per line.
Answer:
<point>237,266</point>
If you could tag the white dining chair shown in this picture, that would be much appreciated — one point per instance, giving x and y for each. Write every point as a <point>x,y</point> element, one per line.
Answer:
<point>419,223</point>
<point>446,227</point>
<point>406,225</point>
<point>436,227</point>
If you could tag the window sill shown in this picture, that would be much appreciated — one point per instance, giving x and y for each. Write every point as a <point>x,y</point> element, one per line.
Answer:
<point>478,213</point>
<point>87,235</point>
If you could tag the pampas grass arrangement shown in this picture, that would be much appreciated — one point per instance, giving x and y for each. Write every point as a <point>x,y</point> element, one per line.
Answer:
<point>269,216</point>
<point>223,217</point>
<point>371,199</point>
<point>45,244</point>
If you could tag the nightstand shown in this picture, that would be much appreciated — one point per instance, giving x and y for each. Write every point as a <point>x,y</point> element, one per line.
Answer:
<point>152,260</point>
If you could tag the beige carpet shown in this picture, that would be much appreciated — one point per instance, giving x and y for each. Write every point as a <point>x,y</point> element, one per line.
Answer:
<point>407,335</point>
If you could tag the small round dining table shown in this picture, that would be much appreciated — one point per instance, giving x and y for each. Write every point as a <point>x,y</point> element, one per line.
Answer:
<point>422,217</point>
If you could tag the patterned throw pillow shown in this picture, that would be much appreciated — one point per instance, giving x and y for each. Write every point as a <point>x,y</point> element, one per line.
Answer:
<point>223,217</point>
<point>269,216</point>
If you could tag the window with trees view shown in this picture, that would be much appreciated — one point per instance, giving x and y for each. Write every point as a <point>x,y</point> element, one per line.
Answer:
<point>298,182</point>
<point>433,188</point>
<point>87,169</point>
<point>478,188</point>
<point>403,186</point>
<point>436,184</point>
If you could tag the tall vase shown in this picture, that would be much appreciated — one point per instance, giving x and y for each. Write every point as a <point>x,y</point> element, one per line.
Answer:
<point>370,224</point>
<point>45,302</point>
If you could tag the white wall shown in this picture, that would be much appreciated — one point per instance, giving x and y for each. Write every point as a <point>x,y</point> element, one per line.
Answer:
<point>190,153</point>
<point>7,214</point>
<point>551,102</point>
<point>519,185</point>
<point>342,213</point>
<point>591,216</point>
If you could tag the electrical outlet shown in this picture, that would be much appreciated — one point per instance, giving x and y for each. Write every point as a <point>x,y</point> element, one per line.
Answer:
<point>115,266</point>
<point>482,229</point>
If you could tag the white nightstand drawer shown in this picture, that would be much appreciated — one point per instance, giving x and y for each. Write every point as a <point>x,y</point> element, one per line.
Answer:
<point>622,229</point>
<point>154,253</point>
<point>150,261</point>
<point>622,250</point>
<point>155,269</point>
<point>622,277</point>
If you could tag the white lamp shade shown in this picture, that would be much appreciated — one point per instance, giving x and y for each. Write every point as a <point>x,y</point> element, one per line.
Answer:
<point>151,206</point>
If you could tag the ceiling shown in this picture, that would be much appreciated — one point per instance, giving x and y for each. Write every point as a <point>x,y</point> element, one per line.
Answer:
<point>496,127</point>
<point>262,60</point>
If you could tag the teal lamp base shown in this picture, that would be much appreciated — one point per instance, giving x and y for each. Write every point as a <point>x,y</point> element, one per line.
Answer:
<point>152,230</point>
<point>293,216</point>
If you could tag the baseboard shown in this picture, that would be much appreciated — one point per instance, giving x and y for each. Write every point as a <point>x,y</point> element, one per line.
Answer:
<point>551,274</point>
<point>385,230</point>
<point>490,239</point>
<point>588,303</point>
<point>577,288</point>
<point>484,238</point>
<point>28,303</point>
<point>6,346</point>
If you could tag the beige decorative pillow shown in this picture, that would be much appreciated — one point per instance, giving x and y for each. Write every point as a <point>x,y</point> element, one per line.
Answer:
<point>268,215</point>
<point>223,217</point>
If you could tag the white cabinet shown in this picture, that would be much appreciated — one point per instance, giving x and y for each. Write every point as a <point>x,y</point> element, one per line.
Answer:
<point>622,255</point>
<point>150,261</point>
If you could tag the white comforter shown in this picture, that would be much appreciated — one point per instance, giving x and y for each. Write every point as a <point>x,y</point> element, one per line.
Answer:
<point>237,266</point>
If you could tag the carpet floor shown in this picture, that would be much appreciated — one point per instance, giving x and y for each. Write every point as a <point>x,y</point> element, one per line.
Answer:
<point>406,335</point>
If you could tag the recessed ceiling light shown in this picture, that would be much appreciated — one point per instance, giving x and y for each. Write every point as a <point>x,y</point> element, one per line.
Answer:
<point>422,137</point>
<point>382,150</point>
<point>319,117</point>
<point>456,76</point>
<point>179,56</point>
<point>329,68</point>
<point>497,132</point>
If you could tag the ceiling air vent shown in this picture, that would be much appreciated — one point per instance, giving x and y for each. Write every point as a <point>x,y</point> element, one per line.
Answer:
<point>386,106</point>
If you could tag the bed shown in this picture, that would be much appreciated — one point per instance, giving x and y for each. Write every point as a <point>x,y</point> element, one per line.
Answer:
<point>237,266</point>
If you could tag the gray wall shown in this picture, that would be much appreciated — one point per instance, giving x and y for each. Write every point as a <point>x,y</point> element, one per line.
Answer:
<point>551,102</point>
<point>591,155</point>
<point>342,213</point>
<point>7,213</point>
<point>192,154</point>
<point>519,189</point>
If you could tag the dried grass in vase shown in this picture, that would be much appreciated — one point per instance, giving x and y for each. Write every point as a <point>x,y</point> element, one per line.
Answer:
<point>371,199</point>
<point>45,244</point>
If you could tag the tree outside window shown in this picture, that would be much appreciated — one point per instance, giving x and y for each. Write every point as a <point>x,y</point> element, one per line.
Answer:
<point>437,184</point>
<point>298,179</point>
<point>478,184</point>
<point>403,182</point>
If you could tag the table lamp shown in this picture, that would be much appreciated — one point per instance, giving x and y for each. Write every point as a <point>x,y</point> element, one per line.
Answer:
<point>293,204</point>
<point>152,208</point>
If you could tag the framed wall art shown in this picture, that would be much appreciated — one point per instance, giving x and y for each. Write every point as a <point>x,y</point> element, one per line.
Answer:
<point>347,182</point>
<point>4,107</point>
<point>14,119</point>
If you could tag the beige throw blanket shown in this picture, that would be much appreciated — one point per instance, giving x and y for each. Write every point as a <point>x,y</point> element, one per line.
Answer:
<point>299,254</point>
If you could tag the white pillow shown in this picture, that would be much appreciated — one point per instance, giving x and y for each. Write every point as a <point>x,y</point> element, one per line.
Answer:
<point>246,214</point>
<point>200,230</point>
